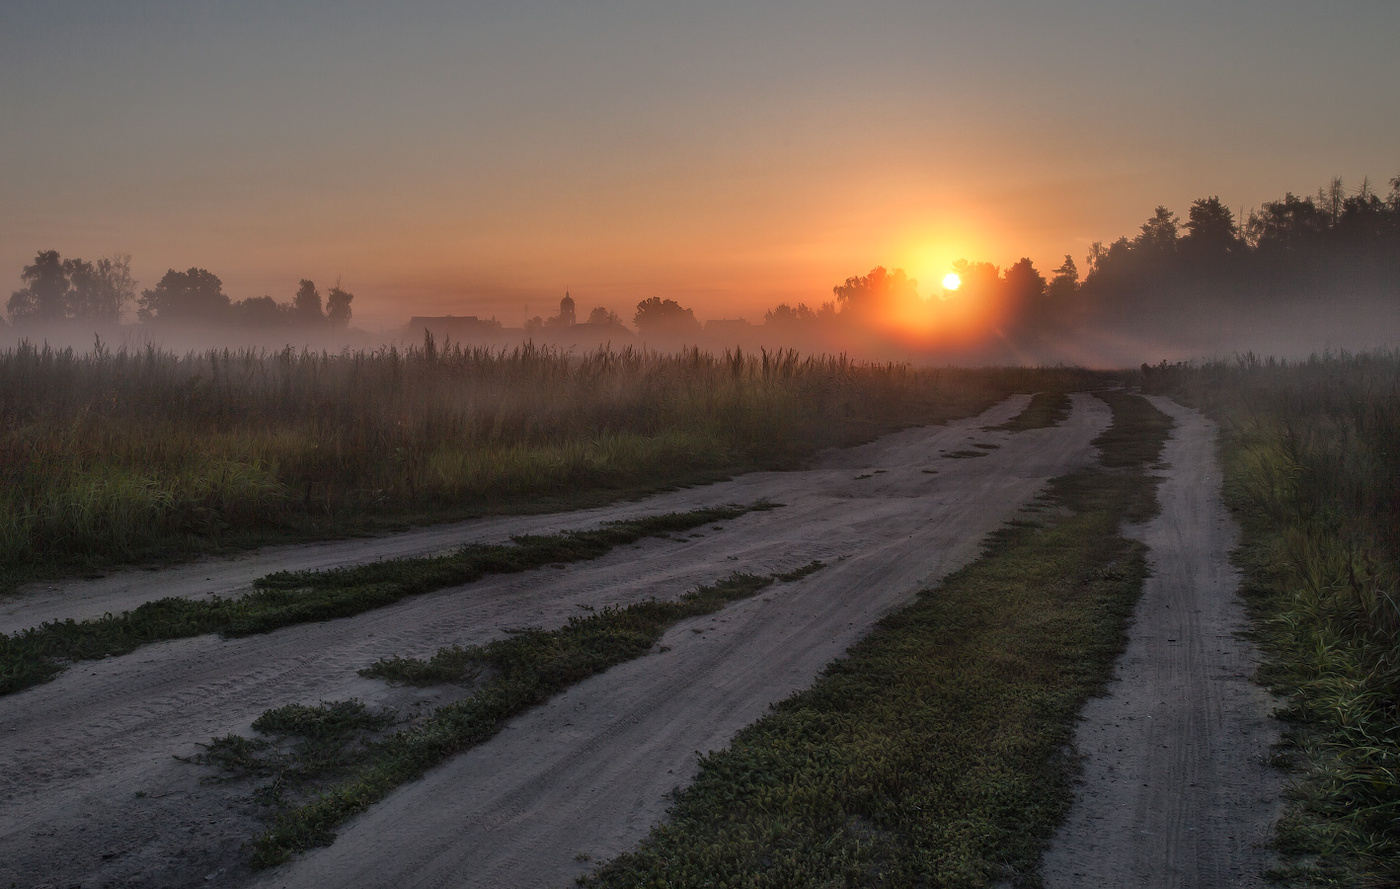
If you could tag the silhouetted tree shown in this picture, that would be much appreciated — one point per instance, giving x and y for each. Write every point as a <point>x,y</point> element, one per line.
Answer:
<point>1023,282</point>
<point>262,312</point>
<point>195,295</point>
<point>1285,224</point>
<point>876,295</point>
<point>74,288</point>
<point>1095,257</point>
<point>664,317</point>
<point>1210,230</point>
<point>306,305</point>
<point>102,290</point>
<point>1020,308</point>
<point>784,315</point>
<point>1158,233</point>
<point>1109,263</point>
<point>979,279</point>
<point>1330,199</point>
<point>45,294</point>
<point>338,307</point>
<point>1365,218</point>
<point>1065,282</point>
<point>604,316</point>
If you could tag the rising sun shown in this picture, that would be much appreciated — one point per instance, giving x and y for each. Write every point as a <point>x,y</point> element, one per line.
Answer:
<point>951,281</point>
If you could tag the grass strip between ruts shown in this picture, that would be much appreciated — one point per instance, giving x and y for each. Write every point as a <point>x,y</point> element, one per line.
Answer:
<point>285,598</point>
<point>526,669</point>
<point>931,754</point>
<point>1046,409</point>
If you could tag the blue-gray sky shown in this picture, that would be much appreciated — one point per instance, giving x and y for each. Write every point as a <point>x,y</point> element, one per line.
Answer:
<point>470,158</point>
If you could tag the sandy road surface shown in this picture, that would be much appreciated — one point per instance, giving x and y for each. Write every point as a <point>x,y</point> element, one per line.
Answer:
<point>1176,790</point>
<point>90,792</point>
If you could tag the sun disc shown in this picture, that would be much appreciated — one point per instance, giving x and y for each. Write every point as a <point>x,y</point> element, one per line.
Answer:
<point>951,281</point>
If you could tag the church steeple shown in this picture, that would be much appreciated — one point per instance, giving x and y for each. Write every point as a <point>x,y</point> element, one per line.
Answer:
<point>566,310</point>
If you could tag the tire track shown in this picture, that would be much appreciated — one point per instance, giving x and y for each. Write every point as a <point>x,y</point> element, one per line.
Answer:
<point>1176,790</point>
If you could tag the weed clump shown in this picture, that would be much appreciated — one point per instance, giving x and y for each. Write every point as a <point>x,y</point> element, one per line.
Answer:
<point>799,573</point>
<point>301,746</point>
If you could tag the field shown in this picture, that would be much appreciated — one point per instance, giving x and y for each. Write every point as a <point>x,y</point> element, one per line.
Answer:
<point>878,596</point>
<point>147,455</point>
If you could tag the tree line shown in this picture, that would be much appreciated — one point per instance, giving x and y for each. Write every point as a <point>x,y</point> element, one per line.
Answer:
<point>1288,251</point>
<point>58,290</point>
<point>1335,242</point>
<point>1291,251</point>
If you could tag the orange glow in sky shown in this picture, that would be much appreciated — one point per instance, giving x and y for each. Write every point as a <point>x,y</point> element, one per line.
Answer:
<point>482,158</point>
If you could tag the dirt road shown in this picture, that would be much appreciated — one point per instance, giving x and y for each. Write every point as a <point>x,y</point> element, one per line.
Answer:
<point>1176,790</point>
<point>92,794</point>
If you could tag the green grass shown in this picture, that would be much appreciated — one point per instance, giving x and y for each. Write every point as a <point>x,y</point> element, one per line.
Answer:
<point>932,753</point>
<point>1045,410</point>
<point>285,598</point>
<point>1132,441</point>
<point>1310,454</point>
<point>300,747</point>
<point>520,671</point>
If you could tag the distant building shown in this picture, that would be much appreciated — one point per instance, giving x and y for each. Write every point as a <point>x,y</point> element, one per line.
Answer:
<point>566,310</point>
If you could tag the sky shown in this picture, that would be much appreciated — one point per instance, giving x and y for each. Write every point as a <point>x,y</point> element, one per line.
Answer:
<point>482,158</point>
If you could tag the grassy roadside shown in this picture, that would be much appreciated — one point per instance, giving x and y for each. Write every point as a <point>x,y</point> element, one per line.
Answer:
<point>931,754</point>
<point>285,598</point>
<point>1309,451</point>
<point>321,764</point>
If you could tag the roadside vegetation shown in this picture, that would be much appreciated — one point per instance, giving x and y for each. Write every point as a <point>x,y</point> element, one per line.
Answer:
<point>1311,450</point>
<point>138,456</point>
<point>932,754</point>
<point>320,765</point>
<point>286,597</point>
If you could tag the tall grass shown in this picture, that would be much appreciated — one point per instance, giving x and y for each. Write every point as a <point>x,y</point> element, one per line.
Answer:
<point>122,456</point>
<point>1311,454</point>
